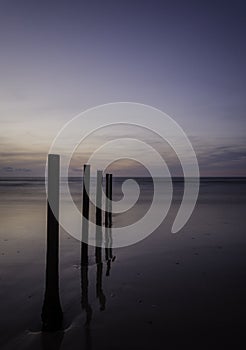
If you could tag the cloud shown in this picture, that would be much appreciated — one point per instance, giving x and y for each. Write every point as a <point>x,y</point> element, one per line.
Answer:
<point>10,169</point>
<point>216,156</point>
<point>25,170</point>
<point>7,169</point>
<point>223,161</point>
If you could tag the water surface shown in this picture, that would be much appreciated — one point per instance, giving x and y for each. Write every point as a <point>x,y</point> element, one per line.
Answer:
<point>167,291</point>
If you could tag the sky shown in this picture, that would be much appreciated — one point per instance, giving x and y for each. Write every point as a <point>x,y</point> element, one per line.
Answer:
<point>186,58</point>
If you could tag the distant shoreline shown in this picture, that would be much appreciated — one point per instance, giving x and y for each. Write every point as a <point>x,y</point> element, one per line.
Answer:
<point>174,179</point>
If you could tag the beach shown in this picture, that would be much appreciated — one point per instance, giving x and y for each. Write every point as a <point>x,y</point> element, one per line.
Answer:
<point>165,292</point>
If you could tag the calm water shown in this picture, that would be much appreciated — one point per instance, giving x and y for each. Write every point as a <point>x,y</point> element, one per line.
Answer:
<point>167,291</point>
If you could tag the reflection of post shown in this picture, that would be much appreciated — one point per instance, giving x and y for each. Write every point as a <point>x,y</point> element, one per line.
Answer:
<point>98,254</point>
<point>52,340</point>
<point>99,289</point>
<point>84,246</point>
<point>85,297</point>
<point>98,248</point>
<point>52,311</point>
<point>108,248</point>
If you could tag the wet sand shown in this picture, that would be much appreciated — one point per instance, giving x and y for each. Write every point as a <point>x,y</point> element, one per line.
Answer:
<point>167,291</point>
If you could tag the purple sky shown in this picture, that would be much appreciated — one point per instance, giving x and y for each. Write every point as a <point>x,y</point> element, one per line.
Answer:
<point>186,58</point>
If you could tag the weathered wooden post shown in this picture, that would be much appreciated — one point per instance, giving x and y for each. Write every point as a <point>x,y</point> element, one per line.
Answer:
<point>85,211</point>
<point>111,191</point>
<point>108,206</point>
<point>110,198</point>
<point>99,198</point>
<point>52,312</point>
<point>107,201</point>
<point>86,190</point>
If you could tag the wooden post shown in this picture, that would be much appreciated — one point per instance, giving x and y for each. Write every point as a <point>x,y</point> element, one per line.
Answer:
<point>110,215</point>
<point>107,200</point>
<point>108,222</point>
<point>110,198</point>
<point>52,312</point>
<point>85,211</point>
<point>86,191</point>
<point>108,206</point>
<point>99,198</point>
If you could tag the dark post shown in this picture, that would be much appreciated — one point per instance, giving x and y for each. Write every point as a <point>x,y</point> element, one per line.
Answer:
<point>107,201</point>
<point>110,198</point>
<point>86,191</point>
<point>108,209</point>
<point>85,211</point>
<point>99,198</point>
<point>108,222</point>
<point>52,312</point>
